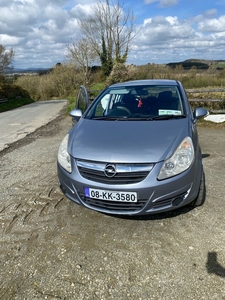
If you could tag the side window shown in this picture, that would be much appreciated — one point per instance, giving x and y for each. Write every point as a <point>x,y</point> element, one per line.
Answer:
<point>82,99</point>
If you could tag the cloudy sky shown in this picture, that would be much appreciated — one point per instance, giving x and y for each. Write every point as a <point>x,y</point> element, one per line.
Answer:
<point>169,30</point>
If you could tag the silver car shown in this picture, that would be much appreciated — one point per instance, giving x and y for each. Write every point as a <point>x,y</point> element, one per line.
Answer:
<point>134,150</point>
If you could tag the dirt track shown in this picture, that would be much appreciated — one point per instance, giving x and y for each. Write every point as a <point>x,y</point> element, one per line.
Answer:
<point>50,248</point>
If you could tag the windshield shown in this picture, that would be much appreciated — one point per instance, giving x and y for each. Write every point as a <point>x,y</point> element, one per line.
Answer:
<point>137,102</point>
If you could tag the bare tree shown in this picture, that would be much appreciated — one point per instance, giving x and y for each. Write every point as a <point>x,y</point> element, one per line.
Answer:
<point>6,58</point>
<point>83,55</point>
<point>109,31</point>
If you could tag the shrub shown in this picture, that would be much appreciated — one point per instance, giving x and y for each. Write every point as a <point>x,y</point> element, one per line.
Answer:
<point>61,82</point>
<point>120,73</point>
<point>11,91</point>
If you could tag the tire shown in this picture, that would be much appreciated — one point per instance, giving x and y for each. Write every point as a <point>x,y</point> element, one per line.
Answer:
<point>200,199</point>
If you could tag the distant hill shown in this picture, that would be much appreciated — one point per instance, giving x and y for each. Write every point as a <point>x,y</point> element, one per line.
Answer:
<point>199,64</point>
<point>28,70</point>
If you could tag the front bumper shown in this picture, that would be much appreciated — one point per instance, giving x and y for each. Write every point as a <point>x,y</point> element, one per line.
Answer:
<point>153,196</point>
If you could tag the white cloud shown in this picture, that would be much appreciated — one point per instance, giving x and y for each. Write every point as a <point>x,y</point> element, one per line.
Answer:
<point>53,12</point>
<point>161,30</point>
<point>165,39</point>
<point>212,25</point>
<point>209,14</point>
<point>81,11</point>
<point>17,18</point>
<point>7,40</point>
<point>38,31</point>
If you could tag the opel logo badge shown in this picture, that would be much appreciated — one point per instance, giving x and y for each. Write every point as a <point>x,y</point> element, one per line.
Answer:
<point>110,170</point>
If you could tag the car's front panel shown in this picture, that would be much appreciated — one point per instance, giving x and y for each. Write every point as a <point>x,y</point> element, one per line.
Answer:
<point>115,196</point>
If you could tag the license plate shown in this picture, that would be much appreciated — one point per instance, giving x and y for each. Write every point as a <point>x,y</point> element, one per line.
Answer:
<point>110,195</point>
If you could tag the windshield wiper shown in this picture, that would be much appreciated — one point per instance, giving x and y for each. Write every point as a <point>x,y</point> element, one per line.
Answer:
<point>153,118</point>
<point>131,118</point>
<point>109,118</point>
<point>167,117</point>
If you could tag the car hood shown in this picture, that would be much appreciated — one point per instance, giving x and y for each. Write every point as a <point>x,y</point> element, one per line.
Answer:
<point>126,141</point>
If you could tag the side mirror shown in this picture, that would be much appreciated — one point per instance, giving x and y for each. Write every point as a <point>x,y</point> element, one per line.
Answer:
<point>200,112</point>
<point>76,114</point>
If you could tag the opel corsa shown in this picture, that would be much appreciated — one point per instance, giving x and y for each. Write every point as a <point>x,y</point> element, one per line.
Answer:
<point>134,150</point>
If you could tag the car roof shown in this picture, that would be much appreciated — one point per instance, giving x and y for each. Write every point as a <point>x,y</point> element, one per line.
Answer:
<point>146,82</point>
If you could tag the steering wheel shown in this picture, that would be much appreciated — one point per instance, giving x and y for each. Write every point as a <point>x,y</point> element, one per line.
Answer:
<point>125,109</point>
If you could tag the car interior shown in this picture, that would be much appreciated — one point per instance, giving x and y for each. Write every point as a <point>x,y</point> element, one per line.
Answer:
<point>130,104</point>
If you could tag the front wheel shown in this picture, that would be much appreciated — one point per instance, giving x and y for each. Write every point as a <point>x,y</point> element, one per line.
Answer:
<point>200,199</point>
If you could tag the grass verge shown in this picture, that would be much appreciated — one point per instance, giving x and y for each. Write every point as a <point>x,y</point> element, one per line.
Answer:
<point>14,103</point>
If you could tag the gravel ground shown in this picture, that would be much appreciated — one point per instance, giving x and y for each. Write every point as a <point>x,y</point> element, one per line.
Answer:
<point>51,248</point>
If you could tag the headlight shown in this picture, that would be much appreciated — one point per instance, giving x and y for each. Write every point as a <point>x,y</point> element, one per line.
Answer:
<point>63,155</point>
<point>179,161</point>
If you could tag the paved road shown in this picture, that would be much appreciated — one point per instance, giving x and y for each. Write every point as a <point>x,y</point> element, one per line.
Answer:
<point>17,123</point>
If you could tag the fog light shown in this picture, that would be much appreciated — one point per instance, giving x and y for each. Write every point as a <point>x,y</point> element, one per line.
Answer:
<point>177,201</point>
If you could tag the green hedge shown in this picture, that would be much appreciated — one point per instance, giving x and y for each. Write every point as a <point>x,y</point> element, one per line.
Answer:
<point>14,103</point>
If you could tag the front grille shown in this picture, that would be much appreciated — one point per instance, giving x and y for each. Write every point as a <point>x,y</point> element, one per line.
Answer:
<point>122,178</point>
<point>124,173</point>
